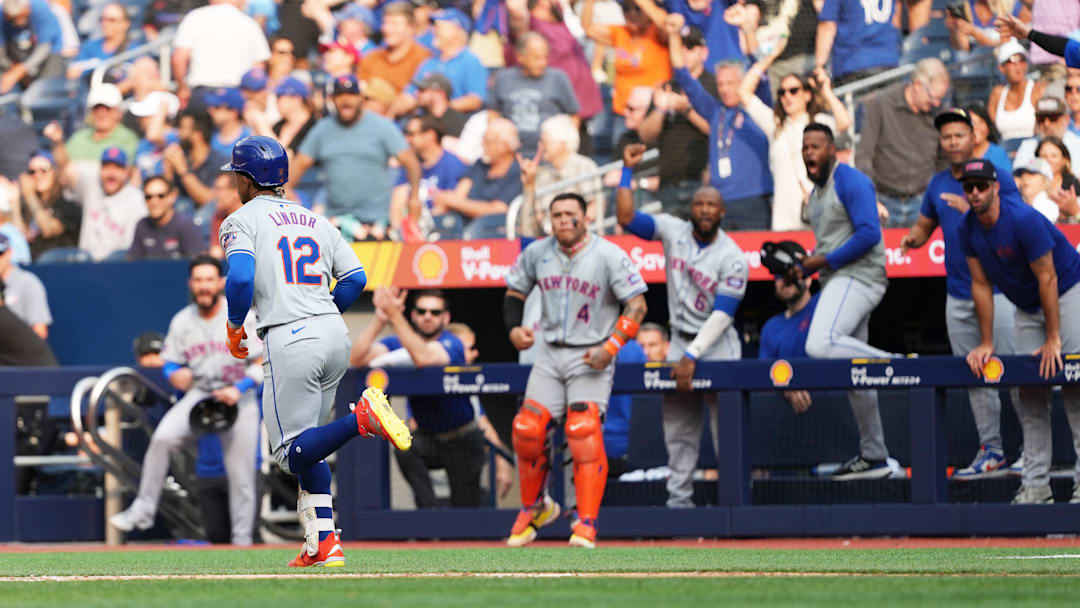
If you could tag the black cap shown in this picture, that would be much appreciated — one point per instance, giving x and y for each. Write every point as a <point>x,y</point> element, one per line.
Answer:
<point>978,168</point>
<point>150,342</point>
<point>692,37</point>
<point>952,115</point>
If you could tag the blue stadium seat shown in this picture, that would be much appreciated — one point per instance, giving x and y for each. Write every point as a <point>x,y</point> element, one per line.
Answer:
<point>64,255</point>
<point>486,227</point>
<point>931,40</point>
<point>1011,146</point>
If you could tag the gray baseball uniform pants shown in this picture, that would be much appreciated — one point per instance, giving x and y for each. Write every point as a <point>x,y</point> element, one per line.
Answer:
<point>1035,400</point>
<point>964,336</point>
<point>560,376</point>
<point>238,445</point>
<point>684,418</point>
<point>839,330</point>
<point>304,363</point>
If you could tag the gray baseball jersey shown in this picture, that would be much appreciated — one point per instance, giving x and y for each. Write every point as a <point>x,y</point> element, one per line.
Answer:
<point>196,343</point>
<point>296,252</point>
<point>581,296</point>
<point>696,275</point>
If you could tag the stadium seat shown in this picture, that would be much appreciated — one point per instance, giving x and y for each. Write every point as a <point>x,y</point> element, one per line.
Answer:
<point>931,40</point>
<point>1011,146</point>
<point>64,255</point>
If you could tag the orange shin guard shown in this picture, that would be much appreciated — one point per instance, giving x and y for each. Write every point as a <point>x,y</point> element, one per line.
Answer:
<point>585,435</point>
<point>530,437</point>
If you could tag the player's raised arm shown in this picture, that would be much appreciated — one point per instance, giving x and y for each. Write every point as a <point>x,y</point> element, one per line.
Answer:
<point>1008,25</point>
<point>640,224</point>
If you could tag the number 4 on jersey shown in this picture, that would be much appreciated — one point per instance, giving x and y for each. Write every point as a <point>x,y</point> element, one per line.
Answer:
<point>309,254</point>
<point>583,314</point>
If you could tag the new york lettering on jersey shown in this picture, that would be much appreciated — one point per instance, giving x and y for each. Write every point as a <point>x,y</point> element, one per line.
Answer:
<point>698,276</point>
<point>195,343</point>
<point>296,252</point>
<point>581,296</point>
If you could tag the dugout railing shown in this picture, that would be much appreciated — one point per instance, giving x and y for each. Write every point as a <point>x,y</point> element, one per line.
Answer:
<point>363,482</point>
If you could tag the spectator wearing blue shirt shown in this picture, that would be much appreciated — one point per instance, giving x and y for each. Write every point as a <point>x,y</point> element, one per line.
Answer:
<point>467,75</point>
<point>944,205</point>
<point>155,112</point>
<point>440,172</point>
<point>738,148</point>
<point>1013,247</point>
<point>490,185</point>
<point>226,105</point>
<point>115,27</point>
<point>30,43</point>
<point>784,335</point>
<point>447,434</point>
<point>353,148</point>
<point>721,37</point>
<point>859,37</point>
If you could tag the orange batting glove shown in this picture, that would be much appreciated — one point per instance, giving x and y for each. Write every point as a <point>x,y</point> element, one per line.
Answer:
<point>233,338</point>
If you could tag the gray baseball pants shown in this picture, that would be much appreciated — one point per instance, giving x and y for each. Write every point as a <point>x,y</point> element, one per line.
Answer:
<point>839,330</point>
<point>1035,400</point>
<point>238,444</point>
<point>964,336</point>
<point>684,417</point>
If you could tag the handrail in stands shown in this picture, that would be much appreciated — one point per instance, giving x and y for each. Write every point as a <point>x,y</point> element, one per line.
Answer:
<point>163,41</point>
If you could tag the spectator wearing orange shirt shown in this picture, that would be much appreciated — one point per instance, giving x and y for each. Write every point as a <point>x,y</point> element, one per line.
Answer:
<point>641,54</point>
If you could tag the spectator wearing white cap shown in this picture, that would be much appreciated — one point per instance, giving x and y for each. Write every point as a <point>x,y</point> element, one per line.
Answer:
<point>1012,105</point>
<point>464,70</point>
<point>24,293</point>
<point>1033,179</point>
<point>214,46</point>
<point>104,129</point>
<point>1051,120</point>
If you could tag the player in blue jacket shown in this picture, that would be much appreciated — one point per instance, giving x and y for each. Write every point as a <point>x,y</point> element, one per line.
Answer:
<point>1011,246</point>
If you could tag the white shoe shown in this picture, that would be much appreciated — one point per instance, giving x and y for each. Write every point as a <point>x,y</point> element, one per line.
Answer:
<point>1075,500</point>
<point>1034,495</point>
<point>128,520</point>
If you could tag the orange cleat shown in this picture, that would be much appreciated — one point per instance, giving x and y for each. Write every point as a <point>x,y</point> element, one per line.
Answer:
<point>329,555</point>
<point>584,536</point>
<point>374,418</point>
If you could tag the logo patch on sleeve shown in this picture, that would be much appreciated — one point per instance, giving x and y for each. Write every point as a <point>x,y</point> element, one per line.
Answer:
<point>735,282</point>
<point>228,239</point>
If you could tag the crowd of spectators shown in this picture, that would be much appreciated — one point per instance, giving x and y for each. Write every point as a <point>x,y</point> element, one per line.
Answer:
<point>428,119</point>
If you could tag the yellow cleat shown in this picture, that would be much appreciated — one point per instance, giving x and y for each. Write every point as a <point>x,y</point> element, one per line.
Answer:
<point>529,521</point>
<point>375,419</point>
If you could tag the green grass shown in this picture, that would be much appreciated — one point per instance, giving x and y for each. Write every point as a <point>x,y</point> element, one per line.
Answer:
<point>531,593</point>
<point>550,559</point>
<point>926,585</point>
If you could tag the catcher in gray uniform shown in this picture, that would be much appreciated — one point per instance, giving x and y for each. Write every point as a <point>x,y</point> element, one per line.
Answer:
<point>706,280</point>
<point>584,282</point>
<point>199,363</point>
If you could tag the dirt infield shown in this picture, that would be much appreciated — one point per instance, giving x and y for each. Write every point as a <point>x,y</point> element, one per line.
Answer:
<point>771,543</point>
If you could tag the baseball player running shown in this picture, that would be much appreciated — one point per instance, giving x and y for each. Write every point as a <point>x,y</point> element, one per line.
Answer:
<point>1011,246</point>
<point>198,363</point>
<point>583,281</point>
<point>281,260</point>
<point>944,205</point>
<point>706,280</point>
<point>850,258</point>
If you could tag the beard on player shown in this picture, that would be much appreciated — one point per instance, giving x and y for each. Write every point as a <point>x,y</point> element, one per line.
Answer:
<point>206,298</point>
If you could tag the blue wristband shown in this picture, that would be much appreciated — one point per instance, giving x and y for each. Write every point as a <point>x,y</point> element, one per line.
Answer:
<point>689,356</point>
<point>245,385</point>
<point>627,178</point>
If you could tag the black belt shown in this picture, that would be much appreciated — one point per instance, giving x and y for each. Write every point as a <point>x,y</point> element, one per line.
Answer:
<point>565,345</point>
<point>685,335</point>
<point>457,433</point>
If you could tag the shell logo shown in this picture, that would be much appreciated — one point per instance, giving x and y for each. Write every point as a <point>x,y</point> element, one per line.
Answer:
<point>429,264</point>
<point>781,373</point>
<point>993,370</point>
<point>377,378</point>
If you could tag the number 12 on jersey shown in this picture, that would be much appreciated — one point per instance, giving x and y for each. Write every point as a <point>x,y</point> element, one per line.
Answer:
<point>307,251</point>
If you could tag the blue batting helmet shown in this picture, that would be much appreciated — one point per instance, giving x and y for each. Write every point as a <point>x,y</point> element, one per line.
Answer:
<point>262,159</point>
